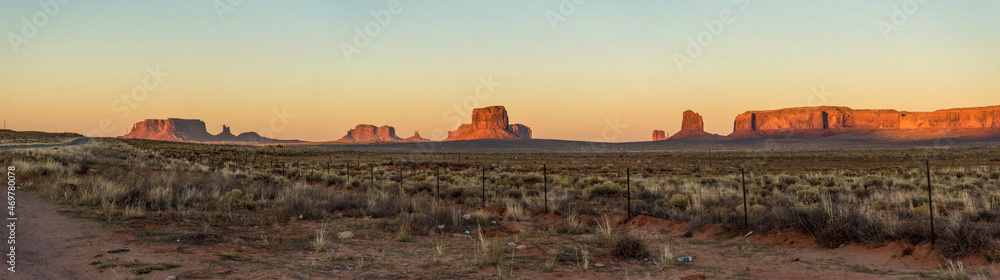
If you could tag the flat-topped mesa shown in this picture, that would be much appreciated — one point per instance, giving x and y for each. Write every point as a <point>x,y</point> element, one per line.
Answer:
<point>692,127</point>
<point>490,123</point>
<point>190,130</point>
<point>826,121</point>
<point>370,133</point>
<point>178,130</point>
<point>659,135</point>
<point>416,138</point>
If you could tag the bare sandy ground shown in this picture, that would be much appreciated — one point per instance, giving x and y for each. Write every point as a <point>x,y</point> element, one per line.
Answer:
<point>52,245</point>
<point>58,242</point>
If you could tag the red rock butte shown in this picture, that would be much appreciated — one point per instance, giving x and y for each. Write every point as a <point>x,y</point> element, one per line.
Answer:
<point>659,135</point>
<point>489,123</point>
<point>191,130</point>
<point>827,121</point>
<point>692,127</point>
<point>371,133</point>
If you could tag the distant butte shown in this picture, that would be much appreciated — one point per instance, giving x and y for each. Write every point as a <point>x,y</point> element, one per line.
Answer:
<point>416,138</point>
<point>659,135</point>
<point>192,130</point>
<point>489,123</point>
<point>693,127</point>
<point>369,133</point>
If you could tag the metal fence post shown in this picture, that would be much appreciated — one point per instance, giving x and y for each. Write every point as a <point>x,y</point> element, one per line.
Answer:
<point>930,200</point>
<point>545,179</point>
<point>484,187</point>
<point>628,191</point>
<point>746,213</point>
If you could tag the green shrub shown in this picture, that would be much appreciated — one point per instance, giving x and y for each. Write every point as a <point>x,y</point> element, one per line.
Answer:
<point>628,246</point>
<point>680,201</point>
<point>513,193</point>
<point>606,189</point>
<point>788,180</point>
<point>237,200</point>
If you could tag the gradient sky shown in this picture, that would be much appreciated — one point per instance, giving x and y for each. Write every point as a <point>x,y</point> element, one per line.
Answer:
<point>608,62</point>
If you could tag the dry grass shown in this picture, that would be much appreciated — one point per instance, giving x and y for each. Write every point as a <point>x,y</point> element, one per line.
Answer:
<point>490,252</point>
<point>952,271</point>
<point>628,246</point>
<point>226,185</point>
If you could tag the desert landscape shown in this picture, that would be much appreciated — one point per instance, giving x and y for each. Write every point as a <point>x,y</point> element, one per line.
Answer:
<point>172,200</point>
<point>520,139</point>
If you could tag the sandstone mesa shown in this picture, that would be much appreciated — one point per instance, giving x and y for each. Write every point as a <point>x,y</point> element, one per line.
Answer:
<point>489,123</point>
<point>192,130</point>
<point>890,124</point>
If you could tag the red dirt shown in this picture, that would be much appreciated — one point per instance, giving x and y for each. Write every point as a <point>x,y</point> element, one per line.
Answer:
<point>68,245</point>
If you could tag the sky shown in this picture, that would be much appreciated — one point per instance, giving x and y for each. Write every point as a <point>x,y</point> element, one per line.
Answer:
<point>610,71</point>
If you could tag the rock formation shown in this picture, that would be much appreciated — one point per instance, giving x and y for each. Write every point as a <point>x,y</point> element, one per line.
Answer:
<point>188,130</point>
<point>416,138</point>
<point>826,121</point>
<point>490,123</point>
<point>521,131</point>
<point>227,135</point>
<point>370,133</point>
<point>659,135</point>
<point>692,126</point>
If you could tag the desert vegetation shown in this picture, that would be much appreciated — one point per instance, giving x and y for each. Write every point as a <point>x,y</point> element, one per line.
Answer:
<point>338,209</point>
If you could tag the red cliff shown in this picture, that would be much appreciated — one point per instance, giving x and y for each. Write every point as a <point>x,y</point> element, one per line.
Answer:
<point>692,126</point>
<point>825,121</point>
<point>489,123</point>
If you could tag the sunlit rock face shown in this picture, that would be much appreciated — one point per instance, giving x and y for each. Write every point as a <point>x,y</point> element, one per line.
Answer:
<point>490,123</point>
<point>826,121</point>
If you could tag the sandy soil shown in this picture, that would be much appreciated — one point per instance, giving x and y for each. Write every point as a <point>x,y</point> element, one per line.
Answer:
<point>62,242</point>
<point>53,245</point>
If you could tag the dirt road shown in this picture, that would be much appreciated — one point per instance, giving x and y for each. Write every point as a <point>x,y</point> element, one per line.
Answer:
<point>77,141</point>
<point>52,245</point>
